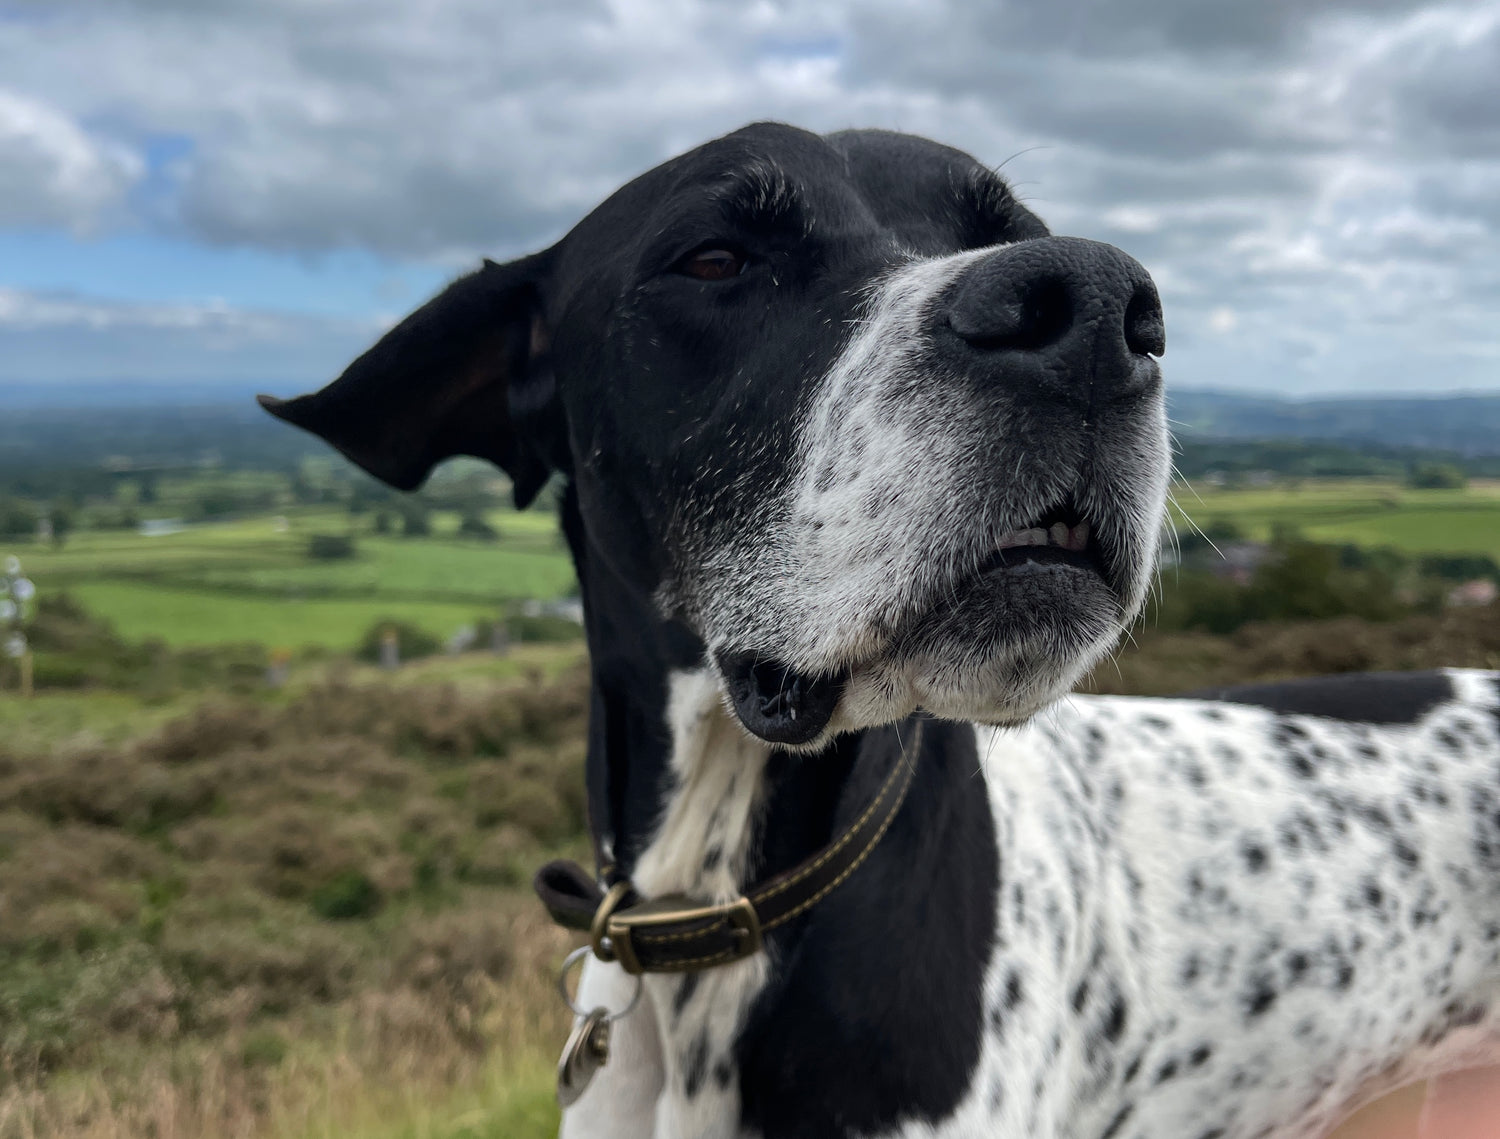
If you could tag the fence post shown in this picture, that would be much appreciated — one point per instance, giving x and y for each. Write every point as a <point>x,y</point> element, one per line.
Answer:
<point>390,650</point>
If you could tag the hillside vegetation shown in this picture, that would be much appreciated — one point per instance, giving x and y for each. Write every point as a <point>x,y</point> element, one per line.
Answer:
<point>289,918</point>
<point>304,912</point>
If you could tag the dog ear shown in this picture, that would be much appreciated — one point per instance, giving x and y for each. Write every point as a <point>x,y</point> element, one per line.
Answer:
<point>465,374</point>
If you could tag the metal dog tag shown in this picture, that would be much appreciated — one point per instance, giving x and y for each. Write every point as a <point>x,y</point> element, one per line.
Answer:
<point>586,1051</point>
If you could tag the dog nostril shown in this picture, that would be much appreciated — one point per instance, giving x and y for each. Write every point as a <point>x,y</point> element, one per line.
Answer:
<point>1049,312</point>
<point>1036,315</point>
<point>1145,331</point>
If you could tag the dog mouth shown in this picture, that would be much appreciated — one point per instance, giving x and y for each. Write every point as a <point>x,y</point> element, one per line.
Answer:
<point>1051,565</point>
<point>1059,537</point>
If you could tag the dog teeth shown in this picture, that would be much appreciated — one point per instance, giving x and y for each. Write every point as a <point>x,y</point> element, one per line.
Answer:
<point>1075,538</point>
<point>1036,536</point>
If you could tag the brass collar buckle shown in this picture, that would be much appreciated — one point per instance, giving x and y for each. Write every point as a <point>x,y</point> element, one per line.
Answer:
<point>614,932</point>
<point>678,934</point>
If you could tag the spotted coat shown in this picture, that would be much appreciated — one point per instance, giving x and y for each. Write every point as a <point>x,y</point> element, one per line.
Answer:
<point>1214,920</point>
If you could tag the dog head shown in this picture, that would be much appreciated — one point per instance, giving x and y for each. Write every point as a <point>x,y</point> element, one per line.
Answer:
<point>839,404</point>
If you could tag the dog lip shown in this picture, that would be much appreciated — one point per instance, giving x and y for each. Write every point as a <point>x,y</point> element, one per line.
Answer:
<point>776,702</point>
<point>1022,559</point>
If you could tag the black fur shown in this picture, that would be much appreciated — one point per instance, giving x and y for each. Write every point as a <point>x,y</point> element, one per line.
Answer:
<point>1367,697</point>
<point>815,1057</point>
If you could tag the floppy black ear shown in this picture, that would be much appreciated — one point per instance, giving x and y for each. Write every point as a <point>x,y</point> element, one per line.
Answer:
<point>448,380</point>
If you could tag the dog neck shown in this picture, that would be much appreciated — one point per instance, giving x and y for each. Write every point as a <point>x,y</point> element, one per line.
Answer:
<point>669,767</point>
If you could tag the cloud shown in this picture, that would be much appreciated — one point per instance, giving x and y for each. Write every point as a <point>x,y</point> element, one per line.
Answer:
<point>53,172</point>
<point>1326,170</point>
<point>60,337</point>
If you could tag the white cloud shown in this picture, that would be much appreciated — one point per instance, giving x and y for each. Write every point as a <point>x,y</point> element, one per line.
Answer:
<point>53,172</point>
<point>50,336</point>
<point>1327,170</point>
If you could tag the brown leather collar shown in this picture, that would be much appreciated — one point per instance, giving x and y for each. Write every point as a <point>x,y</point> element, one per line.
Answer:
<point>675,934</point>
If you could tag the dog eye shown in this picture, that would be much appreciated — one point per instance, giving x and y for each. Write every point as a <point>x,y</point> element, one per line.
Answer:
<point>712,265</point>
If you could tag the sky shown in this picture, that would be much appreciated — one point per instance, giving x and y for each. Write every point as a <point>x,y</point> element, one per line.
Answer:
<point>226,192</point>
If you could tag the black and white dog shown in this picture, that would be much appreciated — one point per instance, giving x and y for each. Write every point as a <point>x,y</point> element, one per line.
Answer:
<point>855,451</point>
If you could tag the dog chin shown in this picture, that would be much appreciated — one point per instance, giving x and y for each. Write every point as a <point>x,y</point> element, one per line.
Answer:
<point>997,654</point>
<point>1002,681</point>
<point>1008,685</point>
<point>997,651</point>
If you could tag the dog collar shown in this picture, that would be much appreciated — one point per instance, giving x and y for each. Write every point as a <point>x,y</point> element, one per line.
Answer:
<point>675,934</point>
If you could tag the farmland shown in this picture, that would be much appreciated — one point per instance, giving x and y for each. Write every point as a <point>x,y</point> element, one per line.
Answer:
<point>251,579</point>
<point>1363,512</point>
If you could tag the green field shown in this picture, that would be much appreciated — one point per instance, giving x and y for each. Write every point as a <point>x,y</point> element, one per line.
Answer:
<point>1364,512</point>
<point>251,579</point>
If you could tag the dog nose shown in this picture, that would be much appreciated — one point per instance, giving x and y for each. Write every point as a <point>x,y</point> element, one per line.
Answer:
<point>1080,319</point>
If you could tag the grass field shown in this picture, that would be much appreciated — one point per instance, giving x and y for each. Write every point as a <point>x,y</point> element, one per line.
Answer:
<point>1364,512</point>
<point>251,579</point>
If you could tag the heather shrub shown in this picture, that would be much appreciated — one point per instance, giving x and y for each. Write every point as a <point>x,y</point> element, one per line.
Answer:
<point>218,881</point>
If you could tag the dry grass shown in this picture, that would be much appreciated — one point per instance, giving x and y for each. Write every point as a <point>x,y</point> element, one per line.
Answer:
<point>1160,664</point>
<point>289,921</point>
<point>308,917</point>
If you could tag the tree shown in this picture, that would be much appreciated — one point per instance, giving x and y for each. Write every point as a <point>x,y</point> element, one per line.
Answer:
<point>17,519</point>
<point>474,525</point>
<point>1436,476</point>
<point>415,520</point>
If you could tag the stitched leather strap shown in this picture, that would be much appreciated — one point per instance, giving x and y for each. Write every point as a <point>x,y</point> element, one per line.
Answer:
<point>673,934</point>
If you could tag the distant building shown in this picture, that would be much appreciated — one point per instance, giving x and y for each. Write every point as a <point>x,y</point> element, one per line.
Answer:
<point>160,527</point>
<point>1240,560</point>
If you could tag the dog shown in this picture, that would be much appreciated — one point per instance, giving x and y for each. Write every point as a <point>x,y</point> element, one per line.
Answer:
<point>862,470</point>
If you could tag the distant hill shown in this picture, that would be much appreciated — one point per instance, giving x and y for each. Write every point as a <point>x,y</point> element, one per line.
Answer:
<point>67,424</point>
<point>39,440</point>
<point>136,393</point>
<point>1462,424</point>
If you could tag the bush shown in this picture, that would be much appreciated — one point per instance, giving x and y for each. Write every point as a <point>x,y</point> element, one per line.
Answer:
<point>263,1048</point>
<point>61,516</point>
<point>1436,476</point>
<point>257,873</point>
<point>348,896</point>
<point>473,525</point>
<point>412,642</point>
<point>416,522</point>
<point>215,503</point>
<point>330,547</point>
<point>1460,567</point>
<point>17,519</point>
<point>1298,580</point>
<point>544,628</point>
<point>1203,539</point>
<point>74,649</point>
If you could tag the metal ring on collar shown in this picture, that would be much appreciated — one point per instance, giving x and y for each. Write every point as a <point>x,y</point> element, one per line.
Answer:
<point>562,987</point>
